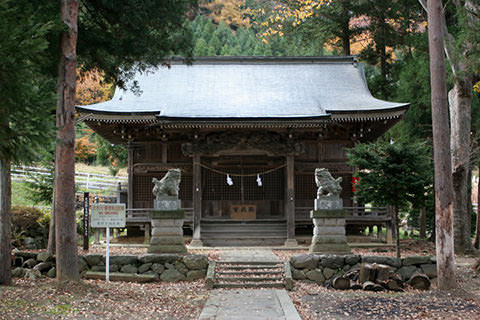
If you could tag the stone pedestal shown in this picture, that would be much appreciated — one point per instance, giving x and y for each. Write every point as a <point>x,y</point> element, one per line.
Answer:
<point>167,227</point>
<point>291,243</point>
<point>329,234</point>
<point>196,243</point>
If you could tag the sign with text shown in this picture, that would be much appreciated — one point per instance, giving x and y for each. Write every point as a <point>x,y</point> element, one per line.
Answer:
<point>110,215</point>
<point>86,219</point>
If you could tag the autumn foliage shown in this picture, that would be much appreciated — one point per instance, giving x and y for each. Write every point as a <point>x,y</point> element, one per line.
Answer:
<point>85,150</point>
<point>232,12</point>
<point>91,88</point>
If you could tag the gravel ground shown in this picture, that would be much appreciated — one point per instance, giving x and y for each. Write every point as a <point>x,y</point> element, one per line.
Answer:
<point>94,299</point>
<point>91,299</point>
<point>315,302</point>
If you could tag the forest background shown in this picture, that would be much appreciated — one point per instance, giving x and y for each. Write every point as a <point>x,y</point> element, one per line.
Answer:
<point>389,38</point>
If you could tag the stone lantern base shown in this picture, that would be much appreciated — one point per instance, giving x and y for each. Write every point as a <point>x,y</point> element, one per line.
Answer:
<point>329,234</point>
<point>167,232</point>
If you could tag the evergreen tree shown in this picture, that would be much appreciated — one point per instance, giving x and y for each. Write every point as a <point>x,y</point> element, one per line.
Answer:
<point>395,174</point>
<point>201,48</point>
<point>27,101</point>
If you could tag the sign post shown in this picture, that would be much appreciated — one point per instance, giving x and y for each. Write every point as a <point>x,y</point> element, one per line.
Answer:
<point>108,215</point>
<point>86,220</point>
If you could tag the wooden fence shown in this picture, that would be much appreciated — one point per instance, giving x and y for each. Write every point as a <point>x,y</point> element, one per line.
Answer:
<point>83,180</point>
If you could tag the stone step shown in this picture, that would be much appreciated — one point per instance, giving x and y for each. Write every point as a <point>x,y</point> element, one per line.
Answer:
<point>249,272</point>
<point>249,285</point>
<point>230,221</point>
<point>242,267</point>
<point>245,222</point>
<point>243,242</point>
<point>251,279</point>
<point>117,276</point>
<point>239,262</point>
<point>244,226</point>
<point>240,231</point>
<point>229,236</point>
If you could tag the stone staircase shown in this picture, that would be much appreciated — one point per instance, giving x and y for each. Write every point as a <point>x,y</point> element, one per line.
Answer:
<point>227,233</point>
<point>249,274</point>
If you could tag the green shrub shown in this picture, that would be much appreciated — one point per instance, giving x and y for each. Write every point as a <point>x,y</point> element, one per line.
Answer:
<point>29,222</point>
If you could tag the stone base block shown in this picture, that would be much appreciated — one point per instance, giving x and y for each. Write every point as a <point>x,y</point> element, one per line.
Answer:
<point>328,203</point>
<point>166,205</point>
<point>329,234</point>
<point>291,243</point>
<point>330,248</point>
<point>333,222</point>
<point>167,223</point>
<point>329,230</point>
<point>161,248</point>
<point>196,243</point>
<point>166,240</point>
<point>331,238</point>
<point>166,231</point>
<point>167,214</point>
<point>330,213</point>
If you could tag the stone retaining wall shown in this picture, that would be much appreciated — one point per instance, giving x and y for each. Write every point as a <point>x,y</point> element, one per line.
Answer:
<point>323,268</point>
<point>167,267</point>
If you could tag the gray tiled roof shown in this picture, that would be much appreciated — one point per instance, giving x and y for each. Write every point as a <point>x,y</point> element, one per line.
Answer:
<point>249,88</point>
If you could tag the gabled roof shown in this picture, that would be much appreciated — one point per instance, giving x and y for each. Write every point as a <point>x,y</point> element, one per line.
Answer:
<point>247,88</point>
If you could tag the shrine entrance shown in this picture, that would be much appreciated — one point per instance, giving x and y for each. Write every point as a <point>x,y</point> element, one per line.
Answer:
<point>243,187</point>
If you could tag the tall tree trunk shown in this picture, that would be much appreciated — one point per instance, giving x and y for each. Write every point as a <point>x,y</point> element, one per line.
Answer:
<point>346,33</point>
<point>5,227</point>
<point>441,147</point>
<point>422,222</point>
<point>460,101</point>
<point>397,230</point>
<point>65,235</point>
<point>51,229</point>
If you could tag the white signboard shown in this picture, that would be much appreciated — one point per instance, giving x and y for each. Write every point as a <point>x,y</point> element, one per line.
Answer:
<point>110,215</point>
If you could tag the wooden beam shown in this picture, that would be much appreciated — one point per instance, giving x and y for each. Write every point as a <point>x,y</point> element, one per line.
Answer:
<point>290,202</point>
<point>197,201</point>
<point>164,152</point>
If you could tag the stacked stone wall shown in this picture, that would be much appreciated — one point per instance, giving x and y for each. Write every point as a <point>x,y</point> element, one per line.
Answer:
<point>321,269</point>
<point>166,267</point>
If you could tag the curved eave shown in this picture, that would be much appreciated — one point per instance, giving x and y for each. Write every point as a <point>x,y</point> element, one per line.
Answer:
<point>375,115</point>
<point>196,123</point>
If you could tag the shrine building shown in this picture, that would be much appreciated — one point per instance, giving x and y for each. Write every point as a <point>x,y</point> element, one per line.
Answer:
<point>247,134</point>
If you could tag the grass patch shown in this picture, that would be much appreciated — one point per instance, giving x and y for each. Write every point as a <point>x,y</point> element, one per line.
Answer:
<point>82,167</point>
<point>58,310</point>
<point>20,195</point>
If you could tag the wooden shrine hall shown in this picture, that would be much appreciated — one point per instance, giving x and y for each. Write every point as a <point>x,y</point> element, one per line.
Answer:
<point>247,134</point>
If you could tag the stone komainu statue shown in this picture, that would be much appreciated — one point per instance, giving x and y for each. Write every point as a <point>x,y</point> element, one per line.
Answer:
<point>327,185</point>
<point>168,185</point>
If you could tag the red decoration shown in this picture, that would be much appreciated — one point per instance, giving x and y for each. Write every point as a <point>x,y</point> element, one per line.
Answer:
<point>354,182</point>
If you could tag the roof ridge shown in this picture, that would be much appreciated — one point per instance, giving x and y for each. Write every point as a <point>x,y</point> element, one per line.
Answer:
<point>264,59</point>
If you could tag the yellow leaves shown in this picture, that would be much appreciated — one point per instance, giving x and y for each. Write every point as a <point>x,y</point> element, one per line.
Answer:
<point>282,14</point>
<point>91,88</point>
<point>230,11</point>
<point>476,87</point>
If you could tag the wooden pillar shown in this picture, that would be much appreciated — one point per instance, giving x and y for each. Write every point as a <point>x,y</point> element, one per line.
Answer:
<point>197,201</point>
<point>96,236</point>
<point>130,178</point>
<point>147,233</point>
<point>290,202</point>
<point>164,152</point>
